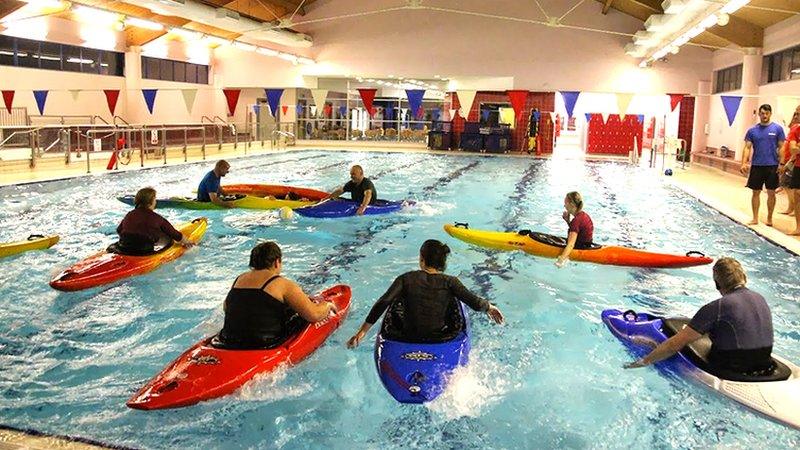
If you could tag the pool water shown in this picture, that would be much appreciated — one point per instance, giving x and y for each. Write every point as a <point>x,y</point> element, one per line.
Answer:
<point>551,377</point>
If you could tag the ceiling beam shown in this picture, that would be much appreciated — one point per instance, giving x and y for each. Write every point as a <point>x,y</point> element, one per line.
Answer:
<point>740,32</point>
<point>782,5</point>
<point>607,6</point>
<point>290,5</point>
<point>9,6</point>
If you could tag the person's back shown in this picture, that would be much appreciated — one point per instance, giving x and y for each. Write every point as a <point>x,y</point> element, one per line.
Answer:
<point>142,228</point>
<point>740,327</point>
<point>210,184</point>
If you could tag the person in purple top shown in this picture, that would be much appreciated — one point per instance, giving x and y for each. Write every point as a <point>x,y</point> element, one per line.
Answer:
<point>581,228</point>
<point>760,157</point>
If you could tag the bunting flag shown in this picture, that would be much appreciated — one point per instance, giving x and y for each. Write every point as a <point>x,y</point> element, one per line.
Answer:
<point>274,99</point>
<point>284,109</point>
<point>518,98</point>
<point>435,113</point>
<point>343,111</point>
<point>485,114</point>
<point>367,96</point>
<point>623,101</point>
<point>189,95</point>
<point>552,117</point>
<point>640,118</point>
<point>453,114</point>
<point>8,98</point>
<point>41,99</point>
<point>389,113</point>
<point>731,104</point>
<point>570,100</point>
<point>465,99</point>
<point>675,100</point>
<point>605,117</point>
<point>313,109</point>
<point>415,99</point>
<point>112,95</point>
<point>150,98</point>
<point>588,117</point>
<point>319,96</point>
<point>232,97</point>
<point>298,109</point>
<point>75,93</point>
<point>327,110</point>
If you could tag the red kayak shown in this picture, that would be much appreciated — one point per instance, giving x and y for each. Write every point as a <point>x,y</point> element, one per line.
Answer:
<point>274,190</point>
<point>106,267</point>
<point>204,372</point>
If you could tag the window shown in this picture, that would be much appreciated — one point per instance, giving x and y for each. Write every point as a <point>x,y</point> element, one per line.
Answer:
<point>729,79</point>
<point>169,70</point>
<point>21,52</point>
<point>783,65</point>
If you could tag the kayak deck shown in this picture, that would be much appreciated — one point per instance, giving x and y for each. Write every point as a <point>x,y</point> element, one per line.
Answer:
<point>34,242</point>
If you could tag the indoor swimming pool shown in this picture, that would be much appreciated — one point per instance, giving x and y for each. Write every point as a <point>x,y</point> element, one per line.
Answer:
<point>551,377</point>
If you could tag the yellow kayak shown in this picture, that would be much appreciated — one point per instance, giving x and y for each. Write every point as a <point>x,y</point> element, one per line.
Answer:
<point>239,201</point>
<point>34,242</point>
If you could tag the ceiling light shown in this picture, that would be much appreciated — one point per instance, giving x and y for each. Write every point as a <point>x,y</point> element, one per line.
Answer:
<point>46,4</point>
<point>244,46</point>
<point>266,51</point>
<point>306,61</point>
<point>288,57</point>
<point>733,6</point>
<point>88,14</point>
<point>215,40</point>
<point>141,23</point>
<point>709,21</point>
<point>188,35</point>
<point>673,6</point>
<point>723,19</point>
<point>80,61</point>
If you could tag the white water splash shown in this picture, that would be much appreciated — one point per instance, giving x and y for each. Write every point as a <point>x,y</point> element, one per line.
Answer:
<point>273,386</point>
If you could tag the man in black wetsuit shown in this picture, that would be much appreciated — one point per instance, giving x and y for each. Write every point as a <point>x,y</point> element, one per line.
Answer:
<point>739,325</point>
<point>428,299</point>
<point>361,190</point>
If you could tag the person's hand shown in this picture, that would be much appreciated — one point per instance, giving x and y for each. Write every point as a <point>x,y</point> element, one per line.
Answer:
<point>187,243</point>
<point>360,210</point>
<point>745,167</point>
<point>562,261</point>
<point>495,314</point>
<point>635,365</point>
<point>332,310</point>
<point>356,339</point>
<point>565,215</point>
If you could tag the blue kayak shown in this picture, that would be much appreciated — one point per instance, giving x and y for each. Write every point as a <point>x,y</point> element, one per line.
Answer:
<point>418,372</point>
<point>344,208</point>
<point>774,392</point>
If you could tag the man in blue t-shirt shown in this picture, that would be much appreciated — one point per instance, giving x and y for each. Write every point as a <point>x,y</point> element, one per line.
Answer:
<point>210,190</point>
<point>761,145</point>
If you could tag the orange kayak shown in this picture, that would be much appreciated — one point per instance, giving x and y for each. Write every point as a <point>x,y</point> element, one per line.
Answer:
<point>550,246</point>
<point>106,267</point>
<point>274,190</point>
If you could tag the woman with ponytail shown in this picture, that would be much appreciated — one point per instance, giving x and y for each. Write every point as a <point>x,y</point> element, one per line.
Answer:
<point>428,299</point>
<point>580,224</point>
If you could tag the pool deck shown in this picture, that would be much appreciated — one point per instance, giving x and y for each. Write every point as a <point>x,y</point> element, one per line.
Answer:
<point>13,439</point>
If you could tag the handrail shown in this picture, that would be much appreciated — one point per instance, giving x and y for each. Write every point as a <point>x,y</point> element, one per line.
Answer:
<point>224,122</point>
<point>101,119</point>
<point>17,133</point>
<point>284,134</point>
<point>57,141</point>
<point>122,120</point>
<point>210,120</point>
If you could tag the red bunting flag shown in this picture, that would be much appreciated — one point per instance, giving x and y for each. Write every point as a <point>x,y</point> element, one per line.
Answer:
<point>518,98</point>
<point>367,96</point>
<point>674,100</point>
<point>232,97</point>
<point>284,109</point>
<point>112,95</point>
<point>8,98</point>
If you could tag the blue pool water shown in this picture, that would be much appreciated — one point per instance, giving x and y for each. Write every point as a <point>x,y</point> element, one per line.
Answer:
<point>550,378</point>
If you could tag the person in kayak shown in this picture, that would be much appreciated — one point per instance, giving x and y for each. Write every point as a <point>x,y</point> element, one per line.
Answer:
<point>210,189</point>
<point>262,308</point>
<point>428,299</point>
<point>142,228</point>
<point>361,189</point>
<point>739,325</point>
<point>580,224</point>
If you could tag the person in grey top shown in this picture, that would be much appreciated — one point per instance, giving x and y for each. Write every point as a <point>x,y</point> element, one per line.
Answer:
<point>739,325</point>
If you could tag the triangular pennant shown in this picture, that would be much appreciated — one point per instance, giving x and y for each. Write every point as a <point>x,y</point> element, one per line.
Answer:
<point>313,109</point>
<point>588,117</point>
<point>327,110</point>
<point>343,111</point>
<point>452,114</point>
<point>8,99</point>
<point>284,109</point>
<point>150,98</point>
<point>485,114</point>
<point>189,95</point>
<point>389,114</point>
<point>675,100</point>
<point>435,113</point>
<point>274,99</point>
<point>552,116</point>
<point>75,93</point>
<point>112,95</point>
<point>232,98</point>
<point>367,96</point>
<point>319,96</point>
<point>465,99</point>
<point>604,115</point>
<point>415,99</point>
<point>518,98</point>
<point>731,104</point>
<point>298,109</point>
<point>623,101</point>
<point>570,99</point>
<point>41,99</point>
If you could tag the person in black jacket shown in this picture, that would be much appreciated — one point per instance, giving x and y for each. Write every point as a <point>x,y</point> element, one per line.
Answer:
<point>428,299</point>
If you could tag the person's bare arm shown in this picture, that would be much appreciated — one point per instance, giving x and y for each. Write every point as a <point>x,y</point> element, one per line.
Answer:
<point>335,194</point>
<point>667,348</point>
<point>365,202</point>
<point>217,200</point>
<point>746,154</point>
<point>301,304</point>
<point>572,238</point>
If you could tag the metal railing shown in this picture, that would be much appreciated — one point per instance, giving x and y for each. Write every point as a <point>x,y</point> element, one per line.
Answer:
<point>372,130</point>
